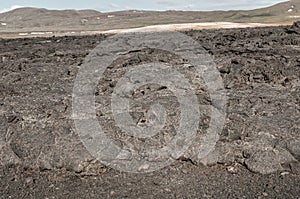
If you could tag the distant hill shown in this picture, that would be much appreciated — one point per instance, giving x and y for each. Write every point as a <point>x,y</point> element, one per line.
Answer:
<point>38,19</point>
<point>286,11</point>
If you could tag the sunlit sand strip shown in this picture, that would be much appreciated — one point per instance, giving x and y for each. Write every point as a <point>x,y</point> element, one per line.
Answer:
<point>153,28</point>
<point>35,33</point>
<point>188,26</point>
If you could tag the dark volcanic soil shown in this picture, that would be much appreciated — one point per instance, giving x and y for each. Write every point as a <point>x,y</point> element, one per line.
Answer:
<point>257,155</point>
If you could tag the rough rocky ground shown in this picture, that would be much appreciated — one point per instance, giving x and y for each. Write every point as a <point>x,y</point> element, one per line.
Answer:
<point>257,155</point>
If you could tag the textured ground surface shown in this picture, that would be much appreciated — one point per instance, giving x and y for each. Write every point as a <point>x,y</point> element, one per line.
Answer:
<point>33,20</point>
<point>40,149</point>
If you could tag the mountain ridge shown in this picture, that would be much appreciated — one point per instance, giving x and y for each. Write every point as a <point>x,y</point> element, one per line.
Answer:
<point>41,19</point>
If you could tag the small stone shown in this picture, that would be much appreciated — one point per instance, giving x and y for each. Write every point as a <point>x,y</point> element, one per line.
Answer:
<point>184,171</point>
<point>112,193</point>
<point>284,156</point>
<point>219,155</point>
<point>294,148</point>
<point>167,190</point>
<point>224,69</point>
<point>29,180</point>
<point>295,167</point>
<point>143,167</point>
<point>265,194</point>
<point>78,168</point>
<point>262,140</point>
<point>11,118</point>
<point>124,155</point>
<point>284,173</point>
<point>232,169</point>
<point>264,162</point>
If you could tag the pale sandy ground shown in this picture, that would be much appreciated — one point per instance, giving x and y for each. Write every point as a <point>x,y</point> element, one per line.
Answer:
<point>189,26</point>
<point>153,28</point>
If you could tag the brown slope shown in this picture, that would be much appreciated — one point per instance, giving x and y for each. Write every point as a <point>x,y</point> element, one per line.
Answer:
<point>34,19</point>
<point>39,18</point>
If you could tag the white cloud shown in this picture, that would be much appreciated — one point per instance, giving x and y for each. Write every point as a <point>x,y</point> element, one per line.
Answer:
<point>114,7</point>
<point>212,4</point>
<point>11,8</point>
<point>166,2</point>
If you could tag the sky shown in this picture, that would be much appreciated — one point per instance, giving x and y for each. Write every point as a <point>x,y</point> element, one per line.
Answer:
<point>114,5</point>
